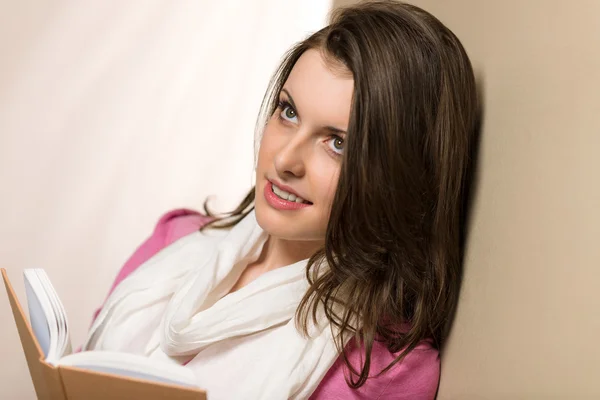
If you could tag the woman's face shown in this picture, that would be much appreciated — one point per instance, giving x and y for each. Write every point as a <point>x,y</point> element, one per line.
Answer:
<point>301,150</point>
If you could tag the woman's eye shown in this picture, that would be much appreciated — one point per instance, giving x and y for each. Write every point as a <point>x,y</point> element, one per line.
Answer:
<point>289,114</point>
<point>336,144</point>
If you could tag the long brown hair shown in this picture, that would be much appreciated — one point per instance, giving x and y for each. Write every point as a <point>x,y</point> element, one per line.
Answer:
<point>391,266</point>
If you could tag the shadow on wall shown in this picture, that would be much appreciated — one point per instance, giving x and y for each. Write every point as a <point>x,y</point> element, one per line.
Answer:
<point>471,185</point>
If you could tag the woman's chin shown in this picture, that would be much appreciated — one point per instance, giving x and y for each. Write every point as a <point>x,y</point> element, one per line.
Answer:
<point>286,225</point>
<point>275,222</point>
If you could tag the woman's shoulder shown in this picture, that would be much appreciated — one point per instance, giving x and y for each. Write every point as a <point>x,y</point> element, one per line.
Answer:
<point>177,223</point>
<point>416,377</point>
<point>171,226</point>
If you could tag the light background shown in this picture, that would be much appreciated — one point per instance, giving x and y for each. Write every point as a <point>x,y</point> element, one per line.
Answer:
<point>112,113</point>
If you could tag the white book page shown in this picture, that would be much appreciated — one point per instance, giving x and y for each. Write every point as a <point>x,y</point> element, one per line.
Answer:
<point>39,309</point>
<point>131,365</point>
<point>47,315</point>
<point>63,339</point>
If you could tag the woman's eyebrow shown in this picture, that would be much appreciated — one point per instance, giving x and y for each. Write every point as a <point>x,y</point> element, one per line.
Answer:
<point>291,101</point>
<point>335,130</point>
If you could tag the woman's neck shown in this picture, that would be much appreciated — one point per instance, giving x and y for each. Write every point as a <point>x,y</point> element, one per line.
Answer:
<point>276,253</point>
<point>279,252</point>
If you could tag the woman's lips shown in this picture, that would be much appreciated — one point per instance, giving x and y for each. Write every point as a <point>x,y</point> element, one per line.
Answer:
<point>285,188</point>
<point>279,203</point>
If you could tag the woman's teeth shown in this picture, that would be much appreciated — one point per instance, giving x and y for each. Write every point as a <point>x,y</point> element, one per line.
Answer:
<point>287,196</point>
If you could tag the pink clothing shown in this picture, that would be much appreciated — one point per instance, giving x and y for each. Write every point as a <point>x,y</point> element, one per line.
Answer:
<point>415,378</point>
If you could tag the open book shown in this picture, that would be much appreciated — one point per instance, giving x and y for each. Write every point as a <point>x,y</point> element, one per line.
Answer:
<point>57,373</point>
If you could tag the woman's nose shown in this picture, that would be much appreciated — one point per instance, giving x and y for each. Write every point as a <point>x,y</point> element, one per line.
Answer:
<point>289,160</point>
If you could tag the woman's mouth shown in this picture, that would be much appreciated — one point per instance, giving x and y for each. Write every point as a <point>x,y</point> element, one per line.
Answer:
<point>282,194</point>
<point>282,200</point>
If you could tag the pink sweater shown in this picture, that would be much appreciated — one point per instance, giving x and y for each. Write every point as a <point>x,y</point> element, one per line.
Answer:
<point>415,378</point>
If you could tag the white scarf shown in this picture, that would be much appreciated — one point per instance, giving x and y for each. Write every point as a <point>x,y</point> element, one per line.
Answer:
<point>177,303</point>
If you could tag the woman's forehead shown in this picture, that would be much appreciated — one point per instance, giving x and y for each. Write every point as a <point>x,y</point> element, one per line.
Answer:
<point>321,91</point>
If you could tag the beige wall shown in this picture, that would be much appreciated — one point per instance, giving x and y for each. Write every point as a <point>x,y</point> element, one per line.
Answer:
<point>529,318</point>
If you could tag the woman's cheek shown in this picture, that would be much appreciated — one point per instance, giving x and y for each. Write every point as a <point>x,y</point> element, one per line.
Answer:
<point>328,180</point>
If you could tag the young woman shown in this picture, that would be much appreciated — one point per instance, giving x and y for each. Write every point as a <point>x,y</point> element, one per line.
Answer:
<point>338,274</point>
